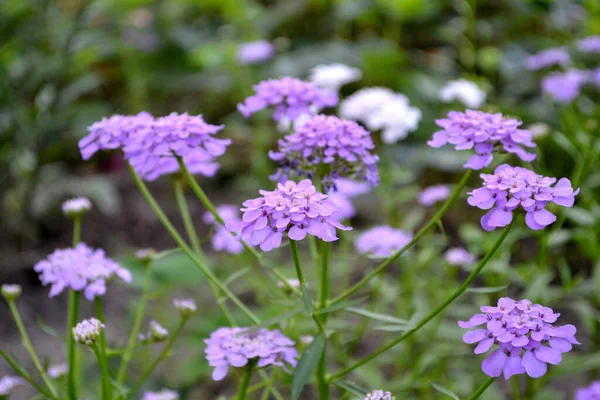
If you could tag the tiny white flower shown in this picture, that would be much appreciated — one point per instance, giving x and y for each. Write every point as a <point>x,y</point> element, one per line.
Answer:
<point>76,207</point>
<point>539,130</point>
<point>464,91</point>
<point>334,76</point>
<point>56,371</point>
<point>395,118</point>
<point>459,256</point>
<point>379,395</point>
<point>164,394</point>
<point>295,283</point>
<point>157,331</point>
<point>185,306</point>
<point>88,331</point>
<point>11,291</point>
<point>307,339</point>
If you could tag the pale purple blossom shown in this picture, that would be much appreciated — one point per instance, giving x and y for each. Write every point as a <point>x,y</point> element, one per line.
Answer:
<point>592,392</point>
<point>223,239</point>
<point>590,44</point>
<point>432,194</point>
<point>56,371</point>
<point>76,206</point>
<point>459,256</point>
<point>234,347</point>
<point>164,394</point>
<point>8,383</point>
<point>379,395</point>
<point>526,334</point>
<point>564,87</point>
<point>382,241</point>
<point>256,52</point>
<point>548,58</point>
<point>186,307</point>
<point>345,209</point>
<point>88,331</point>
<point>351,188</point>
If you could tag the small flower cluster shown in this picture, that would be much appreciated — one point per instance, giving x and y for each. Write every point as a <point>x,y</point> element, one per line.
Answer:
<point>290,97</point>
<point>88,331</point>
<point>564,87</point>
<point>459,256</point>
<point>329,147</point>
<point>57,371</point>
<point>481,132</point>
<point>295,208</point>
<point>379,395</point>
<point>79,268</point>
<point>382,241</point>
<point>526,336</point>
<point>432,194</point>
<point>548,58</point>
<point>76,207</point>
<point>11,292</point>
<point>236,346</point>
<point>223,240</point>
<point>334,76</point>
<point>186,307</point>
<point>156,333</point>
<point>591,392</point>
<point>467,92</point>
<point>511,187</point>
<point>164,394</point>
<point>590,44</point>
<point>256,52</point>
<point>8,383</point>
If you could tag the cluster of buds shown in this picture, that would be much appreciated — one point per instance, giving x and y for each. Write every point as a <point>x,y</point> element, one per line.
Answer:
<point>88,331</point>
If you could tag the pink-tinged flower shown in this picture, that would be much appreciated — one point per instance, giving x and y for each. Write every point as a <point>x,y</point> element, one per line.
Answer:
<point>330,148</point>
<point>293,208</point>
<point>256,52</point>
<point>459,256</point>
<point>526,336</point>
<point>564,87</point>
<point>548,58</point>
<point>57,371</point>
<point>379,395</point>
<point>290,97</point>
<point>591,392</point>
<point>164,394</point>
<point>432,194</point>
<point>234,347</point>
<point>88,331</point>
<point>590,44</point>
<point>481,132</point>
<point>81,269</point>
<point>512,187</point>
<point>76,207</point>
<point>382,241</point>
<point>8,383</point>
<point>224,240</point>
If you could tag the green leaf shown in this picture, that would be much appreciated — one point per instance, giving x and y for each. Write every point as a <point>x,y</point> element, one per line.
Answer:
<point>340,306</point>
<point>491,289</point>
<point>236,275</point>
<point>376,316</point>
<point>394,328</point>
<point>445,391</point>
<point>307,365</point>
<point>351,387</point>
<point>46,328</point>
<point>307,300</point>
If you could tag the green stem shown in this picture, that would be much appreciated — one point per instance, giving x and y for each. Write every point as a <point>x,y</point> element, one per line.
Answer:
<point>106,386</point>
<point>431,223</point>
<point>19,370</point>
<point>482,388</point>
<point>71,349</point>
<point>245,381</point>
<point>324,294</point>
<point>435,312</point>
<point>76,230</point>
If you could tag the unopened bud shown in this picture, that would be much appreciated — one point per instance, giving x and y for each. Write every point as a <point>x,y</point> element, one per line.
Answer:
<point>185,306</point>
<point>11,292</point>
<point>88,331</point>
<point>75,208</point>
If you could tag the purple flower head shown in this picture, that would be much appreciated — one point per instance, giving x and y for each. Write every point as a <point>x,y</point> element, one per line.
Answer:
<point>484,133</point>
<point>564,87</point>
<point>459,256</point>
<point>79,268</point>
<point>590,44</point>
<point>382,241</point>
<point>526,335</point>
<point>548,58</point>
<point>164,394</point>
<point>256,52</point>
<point>591,392</point>
<point>290,97</point>
<point>379,395</point>
<point>8,383</point>
<point>351,188</point>
<point>223,240</point>
<point>234,347</point>
<point>432,194</point>
<point>295,208</point>
<point>511,187</point>
<point>329,147</point>
<point>345,208</point>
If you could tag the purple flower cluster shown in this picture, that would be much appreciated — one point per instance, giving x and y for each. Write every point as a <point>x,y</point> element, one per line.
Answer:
<point>8,383</point>
<point>591,392</point>
<point>290,97</point>
<point>79,268</point>
<point>548,58</point>
<point>342,193</point>
<point>382,241</point>
<point>459,256</point>
<point>223,240</point>
<point>526,336</point>
<point>511,187</point>
<point>590,44</point>
<point>432,194</point>
<point>255,52</point>
<point>236,346</point>
<point>329,147</point>
<point>481,132</point>
<point>564,87</point>
<point>295,208</point>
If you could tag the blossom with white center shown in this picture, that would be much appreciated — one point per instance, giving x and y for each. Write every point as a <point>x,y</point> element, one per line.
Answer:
<point>334,76</point>
<point>466,92</point>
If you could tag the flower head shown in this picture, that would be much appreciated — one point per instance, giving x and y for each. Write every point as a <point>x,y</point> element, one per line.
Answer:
<point>88,331</point>
<point>511,187</point>
<point>526,335</point>
<point>164,394</point>
<point>382,241</point>
<point>79,268</point>
<point>256,52</point>
<point>156,333</point>
<point>295,208</point>
<point>432,194</point>
<point>592,392</point>
<point>145,255</point>
<point>482,132</point>
<point>8,383</point>
<point>548,58</point>
<point>467,92</point>
<point>76,207</point>
<point>223,240</point>
<point>11,292</point>
<point>56,371</point>
<point>289,96</point>
<point>329,147</point>
<point>236,346</point>
<point>458,256</point>
<point>185,306</point>
<point>590,44</point>
<point>379,395</point>
<point>564,87</point>
<point>334,76</point>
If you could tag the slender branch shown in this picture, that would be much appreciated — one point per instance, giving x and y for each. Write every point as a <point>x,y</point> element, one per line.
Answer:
<point>482,388</point>
<point>245,380</point>
<point>71,322</point>
<point>324,294</point>
<point>19,370</point>
<point>106,386</point>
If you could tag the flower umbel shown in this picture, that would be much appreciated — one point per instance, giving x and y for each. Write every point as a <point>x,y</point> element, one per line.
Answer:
<point>11,292</point>
<point>382,241</point>
<point>379,395</point>
<point>467,92</point>
<point>222,239</point>
<point>88,331</point>
<point>186,307</point>
<point>591,392</point>
<point>164,394</point>
<point>334,76</point>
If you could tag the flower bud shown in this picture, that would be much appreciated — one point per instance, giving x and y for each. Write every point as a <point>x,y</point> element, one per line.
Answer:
<point>185,306</point>
<point>11,292</point>
<point>294,283</point>
<point>77,207</point>
<point>145,255</point>
<point>88,331</point>
<point>157,332</point>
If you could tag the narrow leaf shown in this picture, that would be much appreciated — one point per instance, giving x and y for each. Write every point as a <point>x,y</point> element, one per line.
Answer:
<point>445,391</point>
<point>340,306</point>
<point>351,387</point>
<point>376,316</point>
<point>236,275</point>
<point>307,365</point>
<point>491,289</point>
<point>46,328</point>
<point>394,328</point>
<point>307,300</point>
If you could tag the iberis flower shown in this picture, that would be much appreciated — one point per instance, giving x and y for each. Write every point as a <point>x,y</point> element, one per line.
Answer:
<point>526,336</point>
<point>79,268</point>
<point>467,92</point>
<point>329,148</point>
<point>379,395</point>
<point>164,394</point>
<point>382,241</point>
<point>222,239</point>
<point>235,347</point>
<point>295,208</point>
<point>458,256</point>
<point>548,58</point>
<point>511,187</point>
<point>484,133</point>
<point>590,44</point>
<point>564,87</point>
<point>591,392</point>
<point>334,76</point>
<point>432,194</point>
<point>256,52</point>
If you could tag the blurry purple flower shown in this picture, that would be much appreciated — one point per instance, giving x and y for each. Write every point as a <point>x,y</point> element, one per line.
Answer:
<point>351,188</point>
<point>459,256</point>
<point>548,58</point>
<point>379,395</point>
<point>590,44</point>
<point>234,347</point>
<point>224,240</point>
<point>79,268</point>
<point>345,208</point>
<point>289,96</point>
<point>8,383</point>
<point>56,371</point>
<point>432,194</point>
<point>527,337</point>
<point>382,241</point>
<point>564,87</point>
<point>329,148</point>
<point>256,52</point>
<point>596,77</point>
<point>511,187</point>
<point>591,392</point>
<point>164,394</point>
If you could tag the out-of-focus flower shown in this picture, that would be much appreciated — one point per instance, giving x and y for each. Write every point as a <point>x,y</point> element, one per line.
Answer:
<point>88,331</point>
<point>8,383</point>
<point>432,194</point>
<point>548,58</point>
<point>256,52</point>
<point>79,268</point>
<point>365,102</point>
<point>297,209</point>
<point>145,255</point>
<point>345,208</point>
<point>596,77</point>
<point>590,44</point>
<point>11,292</point>
<point>592,392</point>
<point>351,188</point>
<point>223,240</point>
<point>76,207</point>
<point>234,347</point>
<point>164,394</point>
<point>327,147</point>
<point>293,282</point>
<point>466,92</point>
<point>511,187</point>
<point>564,87</point>
<point>539,130</point>
<point>57,371</point>
<point>382,241</point>
<point>334,76</point>
<point>289,96</point>
<point>156,333</point>
<point>186,307</point>
<point>341,193</point>
<point>527,337</point>
<point>481,131</point>
<point>307,339</point>
<point>459,256</point>
<point>379,395</point>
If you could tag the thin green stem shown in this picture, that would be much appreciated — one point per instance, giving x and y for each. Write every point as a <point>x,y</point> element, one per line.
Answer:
<point>106,386</point>
<point>102,361</point>
<point>76,230</point>
<point>242,391</point>
<point>324,294</point>
<point>482,388</point>
<point>324,274</point>
<point>436,311</point>
<point>19,370</point>
<point>71,349</point>
<point>431,223</point>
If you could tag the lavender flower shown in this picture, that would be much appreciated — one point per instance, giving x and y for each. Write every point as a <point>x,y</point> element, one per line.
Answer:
<point>76,207</point>
<point>186,307</point>
<point>334,76</point>
<point>328,147</point>
<point>164,394</point>
<point>459,256</point>
<point>382,241</point>
<point>548,58</point>
<point>591,392</point>
<point>293,282</point>
<point>8,383</point>
<point>79,268</point>
<point>297,209</point>
<point>379,395</point>
<point>289,96</point>
<point>564,87</point>
<point>56,371</point>
<point>511,187</point>
<point>223,240</point>
<point>344,207</point>
<point>88,331</point>
<point>466,92</point>
<point>590,44</point>
<point>432,194</point>
<point>351,188</point>
<point>236,346</point>
<point>526,336</point>
<point>482,132</point>
<point>256,52</point>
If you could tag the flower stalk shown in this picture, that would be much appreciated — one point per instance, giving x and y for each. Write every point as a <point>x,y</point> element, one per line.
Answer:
<point>72,321</point>
<point>245,380</point>
<point>482,388</point>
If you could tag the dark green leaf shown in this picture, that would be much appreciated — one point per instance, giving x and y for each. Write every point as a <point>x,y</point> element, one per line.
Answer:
<point>340,306</point>
<point>307,365</point>
<point>376,316</point>
<point>445,391</point>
